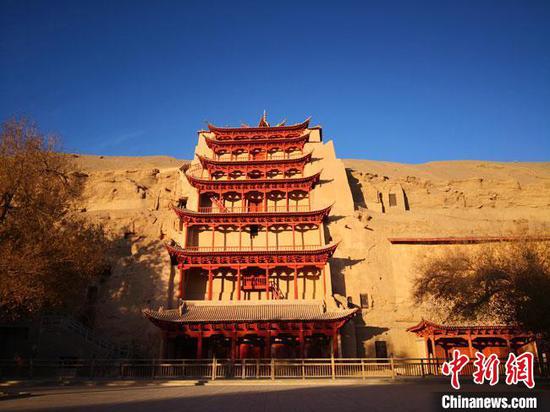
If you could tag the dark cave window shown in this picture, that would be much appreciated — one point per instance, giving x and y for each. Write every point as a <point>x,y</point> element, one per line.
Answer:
<point>393,199</point>
<point>364,297</point>
<point>254,229</point>
<point>381,349</point>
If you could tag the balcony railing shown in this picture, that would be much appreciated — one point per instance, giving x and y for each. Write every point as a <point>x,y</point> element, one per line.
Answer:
<point>259,209</point>
<point>253,248</point>
<point>198,172</point>
<point>292,155</point>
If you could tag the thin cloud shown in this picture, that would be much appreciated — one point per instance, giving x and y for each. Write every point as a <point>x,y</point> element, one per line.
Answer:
<point>116,141</point>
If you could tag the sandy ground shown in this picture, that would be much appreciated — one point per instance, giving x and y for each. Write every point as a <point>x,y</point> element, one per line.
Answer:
<point>277,397</point>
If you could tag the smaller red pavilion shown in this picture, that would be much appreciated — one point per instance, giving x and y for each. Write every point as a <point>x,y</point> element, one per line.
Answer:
<point>440,340</point>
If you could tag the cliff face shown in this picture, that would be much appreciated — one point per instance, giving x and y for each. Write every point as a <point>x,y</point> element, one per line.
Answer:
<point>439,199</point>
<point>131,197</point>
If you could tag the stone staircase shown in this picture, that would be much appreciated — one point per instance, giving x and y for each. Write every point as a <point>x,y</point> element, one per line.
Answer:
<point>63,336</point>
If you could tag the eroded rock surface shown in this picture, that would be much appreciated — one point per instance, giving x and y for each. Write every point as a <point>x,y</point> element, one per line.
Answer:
<point>131,197</point>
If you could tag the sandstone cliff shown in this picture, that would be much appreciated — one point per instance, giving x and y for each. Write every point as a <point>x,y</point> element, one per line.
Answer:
<point>131,197</point>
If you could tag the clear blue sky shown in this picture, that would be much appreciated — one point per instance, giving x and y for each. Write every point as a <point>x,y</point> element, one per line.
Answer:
<point>408,81</point>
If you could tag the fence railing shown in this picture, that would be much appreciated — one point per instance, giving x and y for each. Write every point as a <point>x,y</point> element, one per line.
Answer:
<point>296,154</point>
<point>212,369</point>
<point>260,208</point>
<point>253,248</point>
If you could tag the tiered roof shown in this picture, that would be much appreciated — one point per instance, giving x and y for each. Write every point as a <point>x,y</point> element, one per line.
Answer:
<point>314,255</point>
<point>249,311</point>
<point>295,183</point>
<point>242,216</point>
<point>427,327</point>
<point>262,131</point>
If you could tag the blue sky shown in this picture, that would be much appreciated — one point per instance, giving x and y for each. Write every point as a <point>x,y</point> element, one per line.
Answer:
<point>409,81</point>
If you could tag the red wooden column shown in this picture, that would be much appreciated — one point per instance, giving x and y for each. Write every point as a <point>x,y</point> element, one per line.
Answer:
<point>239,282</point>
<point>287,199</point>
<point>210,282</point>
<point>335,342</point>
<point>240,236</point>
<point>470,346</point>
<point>213,235</point>
<point>267,282</point>
<point>199,343</point>
<point>182,279</point>
<point>295,282</point>
<point>186,234</point>
<point>302,343</point>
<point>266,236</point>
<point>233,345</point>
<point>265,201</point>
<point>267,342</point>
<point>320,235</point>
<point>294,236</point>
<point>324,282</point>
<point>432,340</point>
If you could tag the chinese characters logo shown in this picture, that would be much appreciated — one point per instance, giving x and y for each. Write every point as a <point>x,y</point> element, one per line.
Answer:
<point>518,368</point>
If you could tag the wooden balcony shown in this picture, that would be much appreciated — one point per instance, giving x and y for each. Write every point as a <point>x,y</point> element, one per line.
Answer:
<point>233,256</point>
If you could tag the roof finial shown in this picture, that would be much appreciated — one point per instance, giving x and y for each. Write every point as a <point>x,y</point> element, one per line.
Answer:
<point>263,120</point>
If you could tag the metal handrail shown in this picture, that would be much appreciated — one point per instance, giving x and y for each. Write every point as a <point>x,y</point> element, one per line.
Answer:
<point>85,332</point>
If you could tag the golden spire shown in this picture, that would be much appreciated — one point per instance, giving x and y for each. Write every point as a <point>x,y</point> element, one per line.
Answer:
<point>263,120</point>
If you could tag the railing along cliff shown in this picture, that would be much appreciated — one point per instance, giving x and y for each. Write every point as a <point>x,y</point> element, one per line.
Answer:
<point>212,369</point>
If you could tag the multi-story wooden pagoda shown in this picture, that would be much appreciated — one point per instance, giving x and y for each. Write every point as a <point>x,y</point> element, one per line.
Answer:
<point>252,258</point>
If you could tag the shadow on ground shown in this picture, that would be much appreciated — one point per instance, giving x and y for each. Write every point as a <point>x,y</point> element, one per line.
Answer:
<point>323,396</point>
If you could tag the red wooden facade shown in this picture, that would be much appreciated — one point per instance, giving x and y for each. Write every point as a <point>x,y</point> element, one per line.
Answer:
<point>262,169</point>
<point>440,340</point>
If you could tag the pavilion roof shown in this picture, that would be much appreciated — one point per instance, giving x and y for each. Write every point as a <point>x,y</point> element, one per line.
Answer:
<point>281,215</point>
<point>249,311</point>
<point>427,326</point>
<point>253,184</point>
<point>311,250</point>
<point>231,256</point>
<point>262,127</point>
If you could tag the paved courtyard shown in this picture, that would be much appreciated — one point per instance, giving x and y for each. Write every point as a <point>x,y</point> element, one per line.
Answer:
<point>234,396</point>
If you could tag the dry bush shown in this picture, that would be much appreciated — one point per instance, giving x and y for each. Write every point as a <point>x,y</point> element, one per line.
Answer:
<point>503,282</point>
<point>48,256</point>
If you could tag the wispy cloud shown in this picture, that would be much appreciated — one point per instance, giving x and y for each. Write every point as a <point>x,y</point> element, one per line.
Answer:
<point>119,139</point>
